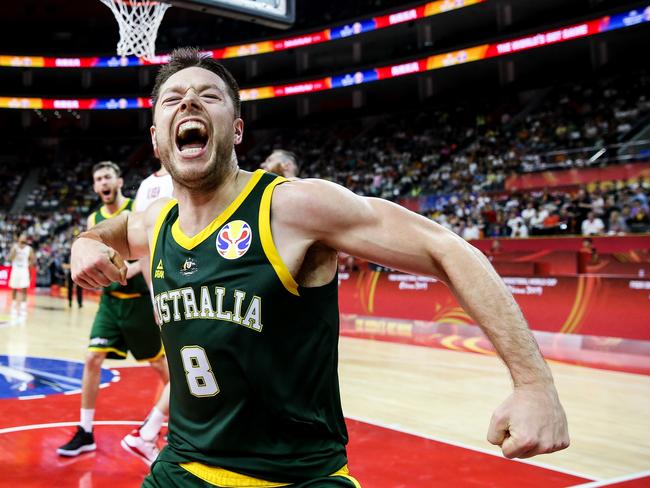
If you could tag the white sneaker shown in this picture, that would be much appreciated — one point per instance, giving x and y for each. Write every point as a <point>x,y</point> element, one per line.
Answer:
<point>147,451</point>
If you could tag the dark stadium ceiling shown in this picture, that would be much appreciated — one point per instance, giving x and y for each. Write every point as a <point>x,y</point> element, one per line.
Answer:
<point>77,27</point>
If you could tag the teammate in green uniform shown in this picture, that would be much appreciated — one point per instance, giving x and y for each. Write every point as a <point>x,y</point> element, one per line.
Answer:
<point>244,278</point>
<point>124,320</point>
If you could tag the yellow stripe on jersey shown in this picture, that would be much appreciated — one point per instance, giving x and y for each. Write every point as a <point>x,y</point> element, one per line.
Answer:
<point>108,349</point>
<point>124,296</point>
<point>190,243</point>
<point>267,240</point>
<point>160,354</point>
<point>156,230</point>
<point>117,212</point>
<point>229,479</point>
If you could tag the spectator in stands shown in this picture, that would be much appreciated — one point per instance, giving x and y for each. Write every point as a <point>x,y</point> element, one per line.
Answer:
<point>597,203</point>
<point>472,231</point>
<point>537,222</point>
<point>582,204</point>
<point>592,225</point>
<point>519,229</point>
<point>552,223</point>
<point>514,222</point>
<point>616,224</point>
<point>638,216</point>
<point>529,213</point>
<point>640,195</point>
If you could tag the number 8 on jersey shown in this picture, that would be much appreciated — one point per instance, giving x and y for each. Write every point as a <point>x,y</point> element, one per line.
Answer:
<point>198,372</point>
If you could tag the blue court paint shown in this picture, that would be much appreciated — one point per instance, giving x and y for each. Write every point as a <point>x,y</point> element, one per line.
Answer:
<point>24,376</point>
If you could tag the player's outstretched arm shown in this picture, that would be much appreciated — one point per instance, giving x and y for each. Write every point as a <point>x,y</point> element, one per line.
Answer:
<point>531,421</point>
<point>98,254</point>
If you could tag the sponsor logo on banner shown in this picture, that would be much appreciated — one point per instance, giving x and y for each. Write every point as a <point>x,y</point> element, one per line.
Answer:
<point>411,282</point>
<point>529,286</point>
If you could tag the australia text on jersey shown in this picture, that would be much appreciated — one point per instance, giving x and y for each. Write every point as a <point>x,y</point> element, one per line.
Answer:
<point>207,307</point>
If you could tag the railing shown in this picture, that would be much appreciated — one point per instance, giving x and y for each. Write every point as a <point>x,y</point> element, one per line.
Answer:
<point>589,156</point>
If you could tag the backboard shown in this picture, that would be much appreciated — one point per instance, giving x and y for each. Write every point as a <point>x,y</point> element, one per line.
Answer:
<point>275,13</point>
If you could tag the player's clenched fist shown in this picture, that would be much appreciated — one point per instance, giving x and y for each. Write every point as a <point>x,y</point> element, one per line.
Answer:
<point>531,421</point>
<point>94,264</point>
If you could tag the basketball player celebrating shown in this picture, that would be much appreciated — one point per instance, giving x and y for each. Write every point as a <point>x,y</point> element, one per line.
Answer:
<point>124,320</point>
<point>244,277</point>
<point>282,162</point>
<point>142,442</point>
<point>21,257</point>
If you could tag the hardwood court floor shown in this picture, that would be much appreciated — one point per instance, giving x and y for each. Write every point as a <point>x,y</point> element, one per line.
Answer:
<point>415,414</point>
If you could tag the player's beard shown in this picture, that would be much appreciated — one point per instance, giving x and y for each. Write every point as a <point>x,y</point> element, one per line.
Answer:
<point>110,199</point>
<point>205,178</point>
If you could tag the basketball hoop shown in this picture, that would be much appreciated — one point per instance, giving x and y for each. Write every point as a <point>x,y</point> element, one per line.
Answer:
<point>138,22</point>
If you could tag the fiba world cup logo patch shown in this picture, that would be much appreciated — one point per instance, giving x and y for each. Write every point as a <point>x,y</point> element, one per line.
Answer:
<point>234,239</point>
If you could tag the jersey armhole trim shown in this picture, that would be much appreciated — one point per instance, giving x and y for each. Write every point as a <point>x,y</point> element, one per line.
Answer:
<point>267,240</point>
<point>156,230</point>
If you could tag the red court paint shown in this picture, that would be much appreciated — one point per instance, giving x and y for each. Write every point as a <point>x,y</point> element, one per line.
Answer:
<point>379,457</point>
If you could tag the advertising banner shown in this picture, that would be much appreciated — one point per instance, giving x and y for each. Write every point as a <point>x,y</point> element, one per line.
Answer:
<point>586,305</point>
<point>578,176</point>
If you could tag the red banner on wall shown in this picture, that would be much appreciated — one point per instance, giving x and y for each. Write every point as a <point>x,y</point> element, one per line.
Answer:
<point>603,244</point>
<point>5,275</point>
<point>577,176</point>
<point>589,305</point>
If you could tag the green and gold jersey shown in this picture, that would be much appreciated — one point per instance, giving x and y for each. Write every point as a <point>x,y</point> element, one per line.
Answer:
<point>136,285</point>
<point>252,356</point>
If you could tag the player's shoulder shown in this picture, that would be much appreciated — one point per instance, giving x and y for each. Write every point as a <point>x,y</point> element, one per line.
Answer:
<point>313,202</point>
<point>304,187</point>
<point>305,192</point>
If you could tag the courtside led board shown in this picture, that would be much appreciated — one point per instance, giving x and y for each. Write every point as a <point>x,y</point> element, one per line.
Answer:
<point>275,13</point>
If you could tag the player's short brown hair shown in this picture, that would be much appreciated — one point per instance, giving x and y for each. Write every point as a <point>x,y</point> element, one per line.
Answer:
<point>107,164</point>
<point>190,57</point>
<point>289,156</point>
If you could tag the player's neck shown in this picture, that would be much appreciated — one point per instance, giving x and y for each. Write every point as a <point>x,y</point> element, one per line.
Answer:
<point>111,208</point>
<point>198,209</point>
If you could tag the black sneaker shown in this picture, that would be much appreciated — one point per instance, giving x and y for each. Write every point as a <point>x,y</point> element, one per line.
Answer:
<point>81,442</point>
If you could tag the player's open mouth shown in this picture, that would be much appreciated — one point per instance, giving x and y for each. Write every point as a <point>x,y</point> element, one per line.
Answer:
<point>191,138</point>
<point>106,193</point>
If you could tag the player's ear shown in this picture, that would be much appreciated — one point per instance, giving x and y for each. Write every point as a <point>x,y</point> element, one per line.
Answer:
<point>238,125</point>
<point>152,131</point>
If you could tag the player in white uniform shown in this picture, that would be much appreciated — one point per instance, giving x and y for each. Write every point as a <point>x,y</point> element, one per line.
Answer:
<point>282,162</point>
<point>21,258</point>
<point>141,442</point>
<point>153,187</point>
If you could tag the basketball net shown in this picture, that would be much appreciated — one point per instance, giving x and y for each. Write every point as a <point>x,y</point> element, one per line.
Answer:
<point>138,22</point>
